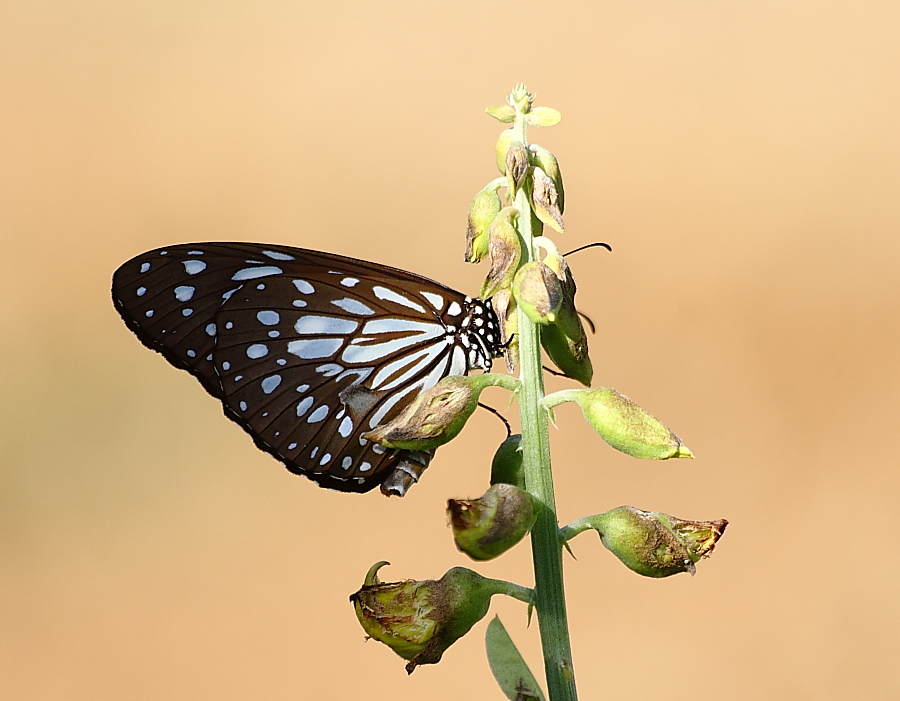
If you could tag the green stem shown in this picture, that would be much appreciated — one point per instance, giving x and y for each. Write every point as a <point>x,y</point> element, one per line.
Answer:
<point>550,600</point>
<point>516,591</point>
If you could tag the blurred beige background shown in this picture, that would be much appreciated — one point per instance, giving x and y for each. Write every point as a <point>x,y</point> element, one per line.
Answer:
<point>743,159</point>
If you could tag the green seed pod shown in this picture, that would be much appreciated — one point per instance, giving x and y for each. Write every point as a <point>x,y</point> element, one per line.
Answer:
<point>487,527</point>
<point>547,162</point>
<point>506,251</point>
<point>652,544</point>
<point>569,355</point>
<point>420,620</point>
<point>506,467</point>
<point>485,207</point>
<point>438,414</point>
<point>538,292</point>
<point>507,136</point>
<point>623,424</point>
<point>545,200</point>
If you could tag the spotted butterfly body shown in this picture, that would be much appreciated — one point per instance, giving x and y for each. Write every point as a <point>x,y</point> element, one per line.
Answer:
<point>306,350</point>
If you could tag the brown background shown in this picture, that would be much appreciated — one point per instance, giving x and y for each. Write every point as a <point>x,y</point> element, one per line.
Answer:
<point>743,159</point>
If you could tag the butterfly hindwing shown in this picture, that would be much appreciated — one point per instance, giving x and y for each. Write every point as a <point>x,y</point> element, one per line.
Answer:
<point>306,350</point>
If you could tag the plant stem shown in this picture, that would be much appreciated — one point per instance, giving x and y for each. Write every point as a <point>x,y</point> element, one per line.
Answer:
<point>550,600</point>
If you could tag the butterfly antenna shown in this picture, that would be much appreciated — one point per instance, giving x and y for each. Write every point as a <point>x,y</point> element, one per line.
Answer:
<point>553,372</point>
<point>499,416</point>
<point>588,320</point>
<point>589,245</point>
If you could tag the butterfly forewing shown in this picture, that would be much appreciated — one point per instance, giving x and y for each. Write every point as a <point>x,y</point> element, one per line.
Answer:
<point>306,350</point>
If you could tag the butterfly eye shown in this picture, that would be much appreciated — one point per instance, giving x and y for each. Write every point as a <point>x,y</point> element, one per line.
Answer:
<point>306,350</point>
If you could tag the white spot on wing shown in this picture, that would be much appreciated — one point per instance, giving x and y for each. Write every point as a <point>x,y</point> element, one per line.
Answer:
<point>319,414</point>
<point>390,295</point>
<point>454,309</point>
<point>270,384</point>
<point>145,267</point>
<point>257,350</point>
<point>325,324</point>
<point>436,300</point>
<point>210,329</point>
<point>184,293</point>
<point>304,405</point>
<point>303,287</point>
<point>349,281</point>
<point>269,318</point>
<point>315,347</point>
<point>329,369</point>
<point>275,255</point>
<point>192,267</point>
<point>141,291</point>
<point>255,272</point>
<point>458,365</point>
<point>346,428</point>
<point>353,306</point>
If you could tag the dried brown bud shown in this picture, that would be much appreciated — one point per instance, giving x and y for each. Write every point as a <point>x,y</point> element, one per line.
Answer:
<point>546,200</point>
<point>505,251</point>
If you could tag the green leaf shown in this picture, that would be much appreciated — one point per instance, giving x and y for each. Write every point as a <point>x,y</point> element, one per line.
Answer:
<point>510,670</point>
<point>543,117</point>
<point>502,113</point>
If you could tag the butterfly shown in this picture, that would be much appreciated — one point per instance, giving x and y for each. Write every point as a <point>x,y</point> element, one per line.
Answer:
<point>307,350</point>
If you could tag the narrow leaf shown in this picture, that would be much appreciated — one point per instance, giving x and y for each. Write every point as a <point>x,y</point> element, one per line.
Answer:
<point>510,670</point>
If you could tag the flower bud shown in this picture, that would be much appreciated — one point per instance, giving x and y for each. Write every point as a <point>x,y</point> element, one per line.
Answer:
<point>438,414</point>
<point>652,543</point>
<point>485,207</point>
<point>506,252</point>
<point>506,467</point>
<point>565,341</point>
<point>623,424</point>
<point>420,620</point>
<point>547,162</point>
<point>538,292</point>
<point>501,147</point>
<point>545,199</point>
<point>487,527</point>
<point>516,166</point>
